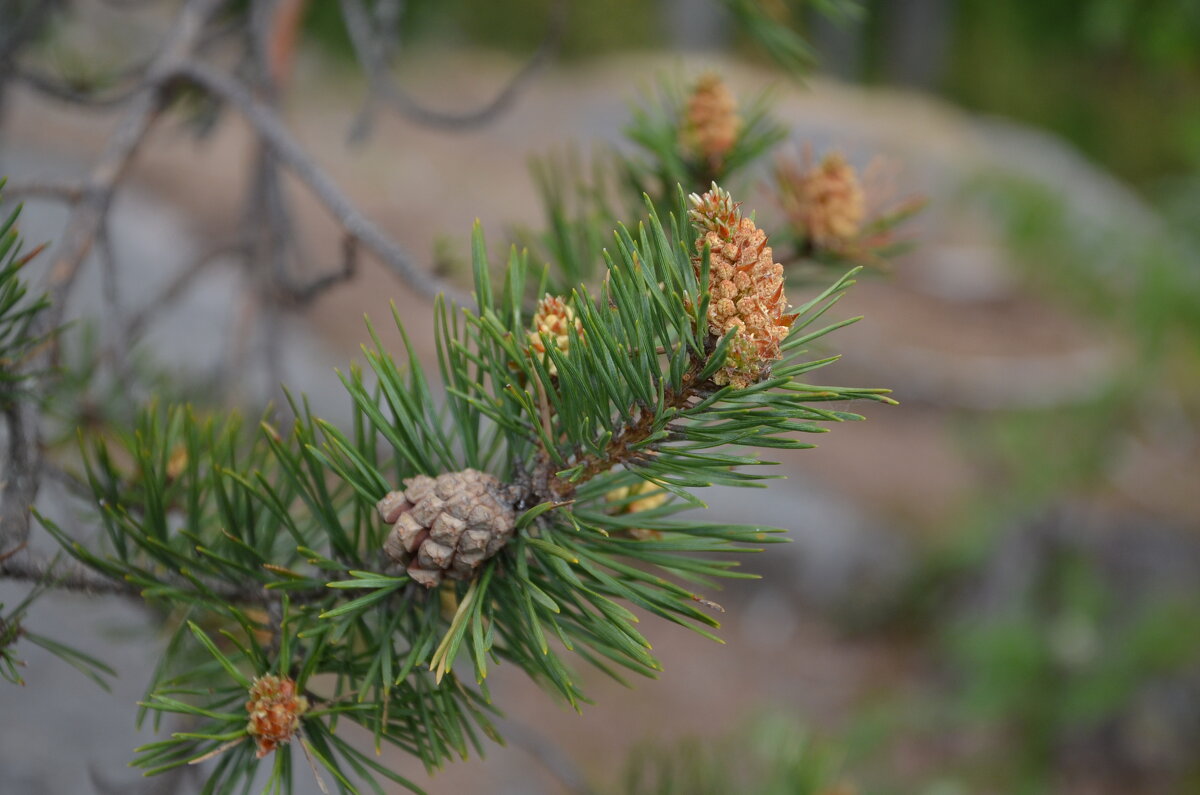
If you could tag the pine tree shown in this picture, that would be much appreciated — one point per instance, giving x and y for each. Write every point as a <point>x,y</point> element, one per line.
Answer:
<point>510,509</point>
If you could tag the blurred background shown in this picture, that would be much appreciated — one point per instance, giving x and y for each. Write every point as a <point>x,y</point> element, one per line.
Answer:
<point>994,587</point>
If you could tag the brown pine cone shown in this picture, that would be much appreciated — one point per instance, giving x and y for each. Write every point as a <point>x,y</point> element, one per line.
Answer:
<point>448,525</point>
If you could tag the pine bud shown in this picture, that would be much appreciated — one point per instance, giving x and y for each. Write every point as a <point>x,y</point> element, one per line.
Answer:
<point>711,124</point>
<point>717,212</point>
<point>647,498</point>
<point>275,712</point>
<point>9,632</point>
<point>447,526</point>
<point>554,318</point>
<point>824,202</point>
<point>177,463</point>
<point>746,288</point>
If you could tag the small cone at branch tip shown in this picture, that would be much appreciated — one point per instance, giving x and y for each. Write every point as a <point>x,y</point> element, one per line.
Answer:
<point>647,497</point>
<point>716,211</point>
<point>177,462</point>
<point>746,288</point>
<point>553,318</point>
<point>446,527</point>
<point>826,201</point>
<point>711,123</point>
<point>275,712</point>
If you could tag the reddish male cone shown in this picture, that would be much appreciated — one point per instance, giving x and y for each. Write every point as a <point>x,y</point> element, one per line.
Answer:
<point>710,123</point>
<point>825,201</point>
<point>275,712</point>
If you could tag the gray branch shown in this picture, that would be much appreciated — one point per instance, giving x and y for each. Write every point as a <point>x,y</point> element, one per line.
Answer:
<point>21,476</point>
<point>66,192</point>
<point>54,573</point>
<point>285,147</point>
<point>373,54</point>
<point>89,210</point>
<point>88,214</point>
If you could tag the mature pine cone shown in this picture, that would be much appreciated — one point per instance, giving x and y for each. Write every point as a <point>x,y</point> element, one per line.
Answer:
<point>448,525</point>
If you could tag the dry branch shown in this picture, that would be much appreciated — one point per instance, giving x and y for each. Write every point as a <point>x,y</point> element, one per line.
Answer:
<point>373,44</point>
<point>284,146</point>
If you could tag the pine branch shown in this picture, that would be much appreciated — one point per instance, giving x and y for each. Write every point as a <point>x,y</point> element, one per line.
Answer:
<point>528,503</point>
<point>24,566</point>
<point>625,446</point>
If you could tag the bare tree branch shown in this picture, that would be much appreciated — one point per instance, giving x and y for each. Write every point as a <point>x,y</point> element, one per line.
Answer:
<point>267,220</point>
<point>268,240</point>
<point>110,286</point>
<point>303,294</point>
<point>67,192</point>
<point>86,222</point>
<point>293,156</point>
<point>372,53</point>
<point>87,215</point>
<point>137,322</point>
<point>57,89</point>
<point>21,475</point>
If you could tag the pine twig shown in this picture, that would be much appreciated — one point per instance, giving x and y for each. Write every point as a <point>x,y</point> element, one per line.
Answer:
<point>620,449</point>
<point>24,565</point>
<point>22,476</point>
<point>66,192</point>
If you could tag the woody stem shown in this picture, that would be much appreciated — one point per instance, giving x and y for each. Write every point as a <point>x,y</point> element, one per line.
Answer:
<point>623,447</point>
